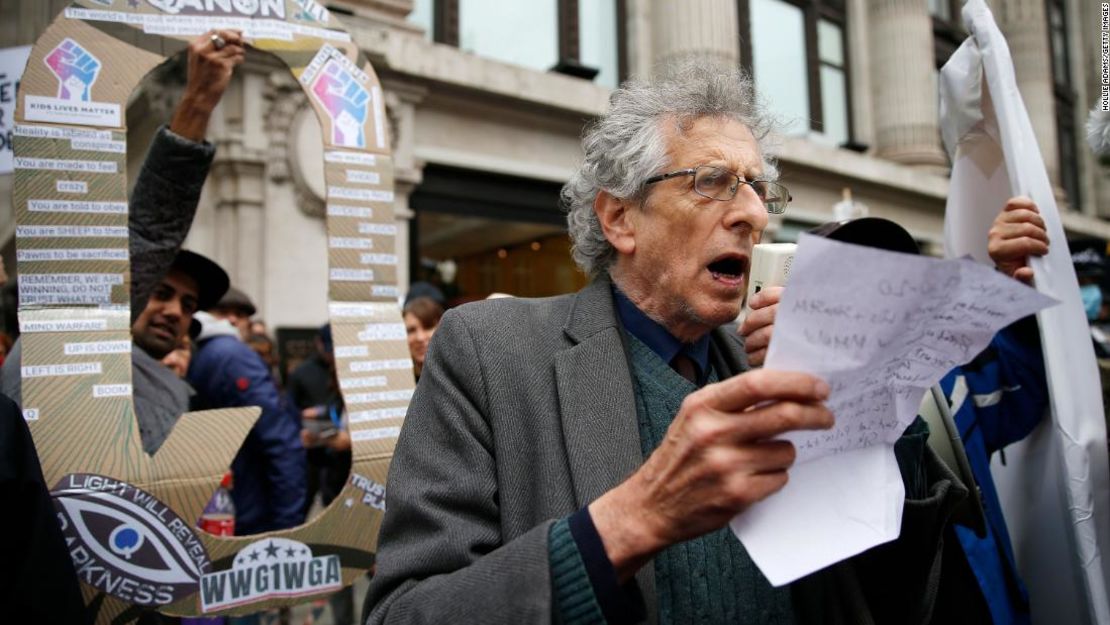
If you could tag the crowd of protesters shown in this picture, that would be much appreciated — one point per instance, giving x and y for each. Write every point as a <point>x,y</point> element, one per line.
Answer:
<point>495,525</point>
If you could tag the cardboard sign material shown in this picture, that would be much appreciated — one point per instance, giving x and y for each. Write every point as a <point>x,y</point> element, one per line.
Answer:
<point>130,518</point>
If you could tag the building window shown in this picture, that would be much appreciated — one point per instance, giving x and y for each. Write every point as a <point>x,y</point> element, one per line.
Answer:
<point>795,51</point>
<point>600,24</point>
<point>520,33</point>
<point>584,39</point>
<point>1065,101</point>
<point>421,15</point>
<point>834,80</point>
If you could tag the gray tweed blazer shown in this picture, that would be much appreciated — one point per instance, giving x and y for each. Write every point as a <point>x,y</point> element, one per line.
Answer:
<point>525,413</point>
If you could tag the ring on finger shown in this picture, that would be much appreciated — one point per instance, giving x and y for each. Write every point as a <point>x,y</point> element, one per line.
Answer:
<point>218,42</point>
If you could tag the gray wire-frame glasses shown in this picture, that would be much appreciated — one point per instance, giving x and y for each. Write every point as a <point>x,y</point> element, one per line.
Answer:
<point>720,184</point>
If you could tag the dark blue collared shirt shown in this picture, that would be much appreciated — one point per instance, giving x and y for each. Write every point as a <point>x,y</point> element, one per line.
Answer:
<point>652,333</point>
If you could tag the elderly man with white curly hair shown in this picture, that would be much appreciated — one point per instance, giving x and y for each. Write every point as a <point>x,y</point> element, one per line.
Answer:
<point>577,459</point>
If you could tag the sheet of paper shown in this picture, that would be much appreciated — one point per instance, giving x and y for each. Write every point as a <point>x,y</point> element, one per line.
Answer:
<point>880,327</point>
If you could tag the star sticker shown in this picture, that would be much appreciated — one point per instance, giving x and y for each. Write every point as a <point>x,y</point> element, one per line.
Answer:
<point>253,555</point>
<point>134,4</point>
<point>272,550</point>
<point>290,552</point>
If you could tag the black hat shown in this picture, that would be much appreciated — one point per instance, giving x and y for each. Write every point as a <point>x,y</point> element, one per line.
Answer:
<point>1089,258</point>
<point>235,299</point>
<point>212,280</point>
<point>425,289</point>
<point>875,232</point>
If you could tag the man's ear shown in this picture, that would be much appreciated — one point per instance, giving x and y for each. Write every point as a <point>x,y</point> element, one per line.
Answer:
<point>616,219</point>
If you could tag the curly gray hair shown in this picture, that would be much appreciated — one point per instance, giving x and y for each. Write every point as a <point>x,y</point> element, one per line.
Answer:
<point>627,145</point>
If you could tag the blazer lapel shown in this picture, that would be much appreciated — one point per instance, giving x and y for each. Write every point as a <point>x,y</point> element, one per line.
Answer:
<point>596,399</point>
<point>598,407</point>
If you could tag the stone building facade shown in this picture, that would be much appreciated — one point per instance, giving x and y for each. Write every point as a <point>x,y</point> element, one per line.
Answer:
<point>486,102</point>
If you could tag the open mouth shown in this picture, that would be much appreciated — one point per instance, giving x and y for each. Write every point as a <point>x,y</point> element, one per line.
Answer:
<point>729,268</point>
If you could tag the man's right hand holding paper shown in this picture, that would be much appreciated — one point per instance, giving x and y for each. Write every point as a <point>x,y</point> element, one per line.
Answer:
<point>717,459</point>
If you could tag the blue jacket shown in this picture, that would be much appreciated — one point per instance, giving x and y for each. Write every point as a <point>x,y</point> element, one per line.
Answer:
<point>269,470</point>
<point>997,399</point>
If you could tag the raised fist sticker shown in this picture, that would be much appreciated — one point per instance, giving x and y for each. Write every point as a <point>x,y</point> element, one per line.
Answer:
<point>75,68</point>
<point>346,102</point>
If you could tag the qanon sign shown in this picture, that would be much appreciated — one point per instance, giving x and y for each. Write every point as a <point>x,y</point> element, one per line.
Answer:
<point>129,518</point>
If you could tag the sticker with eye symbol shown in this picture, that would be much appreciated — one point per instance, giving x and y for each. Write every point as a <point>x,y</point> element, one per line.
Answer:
<point>126,542</point>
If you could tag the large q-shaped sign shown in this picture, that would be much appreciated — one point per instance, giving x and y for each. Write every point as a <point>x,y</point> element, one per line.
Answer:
<point>129,518</point>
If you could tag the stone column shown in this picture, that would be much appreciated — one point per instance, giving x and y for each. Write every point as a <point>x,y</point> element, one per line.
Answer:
<point>1025,25</point>
<point>1099,188</point>
<point>240,234</point>
<point>637,28</point>
<point>706,28</point>
<point>238,178</point>
<point>403,216</point>
<point>904,81</point>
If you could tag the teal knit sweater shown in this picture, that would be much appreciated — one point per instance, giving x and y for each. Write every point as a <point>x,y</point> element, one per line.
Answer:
<point>709,579</point>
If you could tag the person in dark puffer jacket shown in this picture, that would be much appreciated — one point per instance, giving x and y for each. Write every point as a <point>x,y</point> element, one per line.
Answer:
<point>269,470</point>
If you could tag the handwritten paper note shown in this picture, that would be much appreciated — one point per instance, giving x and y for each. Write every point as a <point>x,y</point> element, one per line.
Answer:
<point>881,328</point>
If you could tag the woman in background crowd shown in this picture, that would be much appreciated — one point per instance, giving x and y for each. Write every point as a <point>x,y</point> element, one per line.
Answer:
<point>263,345</point>
<point>421,315</point>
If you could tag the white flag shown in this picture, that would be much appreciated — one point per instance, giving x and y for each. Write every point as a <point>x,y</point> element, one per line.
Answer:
<point>1055,487</point>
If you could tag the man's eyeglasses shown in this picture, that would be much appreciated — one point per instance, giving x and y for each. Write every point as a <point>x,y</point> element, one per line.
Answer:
<point>720,184</point>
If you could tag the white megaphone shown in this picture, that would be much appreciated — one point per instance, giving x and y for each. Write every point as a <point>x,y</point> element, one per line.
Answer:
<point>770,266</point>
